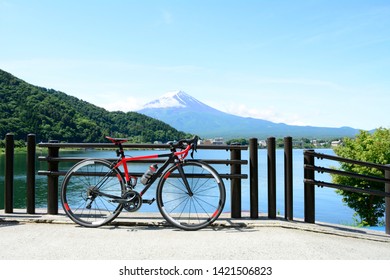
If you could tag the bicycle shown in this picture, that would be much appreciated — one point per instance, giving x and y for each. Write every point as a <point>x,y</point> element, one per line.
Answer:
<point>190,193</point>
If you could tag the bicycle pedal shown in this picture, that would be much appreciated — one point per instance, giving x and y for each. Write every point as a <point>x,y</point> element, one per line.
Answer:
<point>148,201</point>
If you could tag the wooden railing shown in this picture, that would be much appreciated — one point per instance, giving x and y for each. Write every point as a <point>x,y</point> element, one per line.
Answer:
<point>235,175</point>
<point>310,181</point>
<point>54,171</point>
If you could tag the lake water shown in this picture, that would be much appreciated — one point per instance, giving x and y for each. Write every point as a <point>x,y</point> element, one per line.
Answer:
<point>329,207</point>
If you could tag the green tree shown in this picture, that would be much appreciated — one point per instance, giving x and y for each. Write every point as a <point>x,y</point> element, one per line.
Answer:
<point>54,115</point>
<point>367,147</point>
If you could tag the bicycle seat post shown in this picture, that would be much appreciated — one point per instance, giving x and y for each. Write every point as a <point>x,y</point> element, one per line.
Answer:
<point>120,152</point>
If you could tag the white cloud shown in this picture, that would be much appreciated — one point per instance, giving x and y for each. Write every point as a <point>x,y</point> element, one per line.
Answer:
<point>270,114</point>
<point>121,103</point>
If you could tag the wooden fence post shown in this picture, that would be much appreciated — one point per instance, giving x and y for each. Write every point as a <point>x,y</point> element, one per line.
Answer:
<point>30,180</point>
<point>288,179</point>
<point>387,201</point>
<point>309,193</point>
<point>9,174</point>
<point>52,182</point>
<point>235,187</point>
<point>271,164</point>
<point>254,178</point>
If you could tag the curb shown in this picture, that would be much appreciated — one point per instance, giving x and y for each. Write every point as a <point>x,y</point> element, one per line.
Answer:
<point>141,219</point>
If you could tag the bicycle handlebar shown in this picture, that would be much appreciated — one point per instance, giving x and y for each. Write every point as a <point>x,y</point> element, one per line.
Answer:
<point>181,144</point>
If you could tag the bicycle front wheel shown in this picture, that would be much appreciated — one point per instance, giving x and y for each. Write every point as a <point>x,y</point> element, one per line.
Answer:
<point>191,195</point>
<point>90,192</point>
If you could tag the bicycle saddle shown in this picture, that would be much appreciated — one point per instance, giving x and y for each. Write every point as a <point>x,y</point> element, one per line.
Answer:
<point>117,141</point>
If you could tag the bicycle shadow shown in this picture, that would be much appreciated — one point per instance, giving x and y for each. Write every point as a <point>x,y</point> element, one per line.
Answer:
<point>9,223</point>
<point>230,227</point>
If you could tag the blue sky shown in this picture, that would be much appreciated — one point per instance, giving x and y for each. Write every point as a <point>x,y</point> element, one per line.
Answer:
<point>321,63</point>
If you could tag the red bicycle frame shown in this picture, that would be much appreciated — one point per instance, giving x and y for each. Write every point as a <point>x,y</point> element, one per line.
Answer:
<point>172,157</point>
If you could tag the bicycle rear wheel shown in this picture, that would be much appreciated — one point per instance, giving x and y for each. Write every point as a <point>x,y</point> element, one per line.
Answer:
<point>89,191</point>
<point>191,195</point>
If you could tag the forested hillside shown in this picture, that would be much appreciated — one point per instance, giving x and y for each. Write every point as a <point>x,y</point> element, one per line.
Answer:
<point>51,114</point>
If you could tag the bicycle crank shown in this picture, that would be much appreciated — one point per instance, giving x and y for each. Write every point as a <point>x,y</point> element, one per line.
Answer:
<point>133,201</point>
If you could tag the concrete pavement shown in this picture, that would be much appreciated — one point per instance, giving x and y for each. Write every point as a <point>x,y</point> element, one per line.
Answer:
<point>146,236</point>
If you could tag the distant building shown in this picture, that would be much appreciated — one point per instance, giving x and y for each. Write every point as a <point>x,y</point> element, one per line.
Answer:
<point>214,141</point>
<point>206,142</point>
<point>298,144</point>
<point>336,143</point>
<point>218,141</point>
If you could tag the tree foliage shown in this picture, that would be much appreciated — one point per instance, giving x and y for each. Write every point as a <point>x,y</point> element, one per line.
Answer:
<point>366,147</point>
<point>239,141</point>
<point>51,114</point>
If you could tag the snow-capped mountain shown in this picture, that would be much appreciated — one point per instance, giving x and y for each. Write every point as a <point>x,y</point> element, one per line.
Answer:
<point>188,114</point>
<point>177,99</point>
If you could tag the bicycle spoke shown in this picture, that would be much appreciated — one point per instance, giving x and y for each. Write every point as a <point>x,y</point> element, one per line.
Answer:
<point>178,187</point>
<point>193,210</point>
<point>80,195</point>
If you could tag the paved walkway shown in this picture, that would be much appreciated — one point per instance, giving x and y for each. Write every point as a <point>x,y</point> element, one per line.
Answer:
<point>145,236</point>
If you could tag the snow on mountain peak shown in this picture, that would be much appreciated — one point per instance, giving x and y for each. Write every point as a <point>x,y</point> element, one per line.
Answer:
<point>165,101</point>
<point>177,99</point>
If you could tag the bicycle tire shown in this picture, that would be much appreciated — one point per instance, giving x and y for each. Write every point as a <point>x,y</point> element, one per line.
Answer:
<point>196,211</point>
<point>78,196</point>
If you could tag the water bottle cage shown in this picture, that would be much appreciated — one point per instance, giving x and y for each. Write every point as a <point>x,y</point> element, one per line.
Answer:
<point>132,182</point>
<point>145,179</point>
